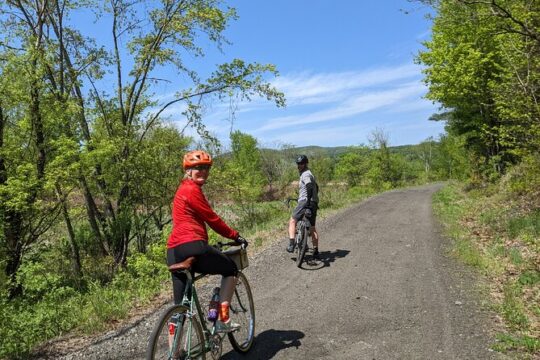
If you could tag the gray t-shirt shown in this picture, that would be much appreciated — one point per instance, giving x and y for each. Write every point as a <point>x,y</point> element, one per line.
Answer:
<point>305,178</point>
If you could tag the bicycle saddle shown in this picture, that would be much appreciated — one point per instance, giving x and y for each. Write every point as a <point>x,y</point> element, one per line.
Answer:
<point>184,265</point>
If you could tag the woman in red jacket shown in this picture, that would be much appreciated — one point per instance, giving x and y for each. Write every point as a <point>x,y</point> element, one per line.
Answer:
<point>190,214</point>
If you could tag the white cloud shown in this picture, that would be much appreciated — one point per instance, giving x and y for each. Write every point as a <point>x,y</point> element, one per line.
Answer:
<point>401,132</point>
<point>306,88</point>
<point>357,104</point>
<point>325,102</point>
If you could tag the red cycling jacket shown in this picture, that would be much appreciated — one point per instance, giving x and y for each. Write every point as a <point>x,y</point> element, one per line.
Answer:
<point>190,213</point>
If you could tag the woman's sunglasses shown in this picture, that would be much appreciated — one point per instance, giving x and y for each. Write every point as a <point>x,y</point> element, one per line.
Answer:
<point>201,167</point>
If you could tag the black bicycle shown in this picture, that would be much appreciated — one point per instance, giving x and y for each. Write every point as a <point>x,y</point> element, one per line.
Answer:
<point>182,333</point>
<point>303,231</point>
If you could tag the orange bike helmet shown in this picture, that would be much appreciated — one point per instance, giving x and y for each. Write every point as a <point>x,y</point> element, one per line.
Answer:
<point>197,157</point>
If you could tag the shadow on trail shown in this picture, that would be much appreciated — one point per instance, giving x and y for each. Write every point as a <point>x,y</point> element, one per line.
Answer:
<point>324,259</point>
<point>268,343</point>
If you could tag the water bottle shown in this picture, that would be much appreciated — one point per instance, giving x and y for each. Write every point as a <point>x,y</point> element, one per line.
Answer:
<point>213,307</point>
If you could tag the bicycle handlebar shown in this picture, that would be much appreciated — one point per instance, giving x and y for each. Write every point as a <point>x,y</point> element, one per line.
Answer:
<point>242,243</point>
<point>288,201</point>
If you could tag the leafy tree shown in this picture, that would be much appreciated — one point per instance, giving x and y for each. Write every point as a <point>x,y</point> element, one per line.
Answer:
<point>450,161</point>
<point>59,113</point>
<point>482,66</point>
<point>352,166</point>
<point>28,129</point>
<point>384,171</point>
<point>242,176</point>
<point>426,152</point>
<point>323,168</point>
<point>277,169</point>
<point>160,169</point>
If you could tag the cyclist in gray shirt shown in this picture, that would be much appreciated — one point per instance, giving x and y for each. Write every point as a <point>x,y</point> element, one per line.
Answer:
<point>308,199</point>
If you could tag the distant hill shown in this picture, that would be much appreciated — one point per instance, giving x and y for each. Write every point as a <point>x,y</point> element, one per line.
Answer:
<point>320,150</point>
<point>312,150</point>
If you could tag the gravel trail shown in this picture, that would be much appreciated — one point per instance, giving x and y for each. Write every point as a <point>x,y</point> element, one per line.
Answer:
<point>383,288</point>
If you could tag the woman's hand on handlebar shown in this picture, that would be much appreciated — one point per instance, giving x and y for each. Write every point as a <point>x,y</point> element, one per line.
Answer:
<point>241,241</point>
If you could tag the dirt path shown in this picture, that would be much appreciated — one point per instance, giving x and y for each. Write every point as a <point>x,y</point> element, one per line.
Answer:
<point>382,289</point>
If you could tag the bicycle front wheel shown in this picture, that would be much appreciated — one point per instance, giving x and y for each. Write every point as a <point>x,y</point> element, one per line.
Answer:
<point>242,311</point>
<point>177,335</point>
<point>302,243</point>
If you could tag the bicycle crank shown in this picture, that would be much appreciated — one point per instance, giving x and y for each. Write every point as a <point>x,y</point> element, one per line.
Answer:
<point>216,346</point>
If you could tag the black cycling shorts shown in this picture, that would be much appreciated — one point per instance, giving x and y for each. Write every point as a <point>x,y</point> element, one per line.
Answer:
<point>209,260</point>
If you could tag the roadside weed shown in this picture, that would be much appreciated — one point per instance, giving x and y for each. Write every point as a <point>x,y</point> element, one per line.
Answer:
<point>499,236</point>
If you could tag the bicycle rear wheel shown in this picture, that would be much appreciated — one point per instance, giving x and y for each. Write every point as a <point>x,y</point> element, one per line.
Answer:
<point>177,335</point>
<point>302,243</point>
<point>242,311</point>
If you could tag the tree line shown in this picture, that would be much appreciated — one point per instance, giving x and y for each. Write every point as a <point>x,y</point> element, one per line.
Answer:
<point>482,65</point>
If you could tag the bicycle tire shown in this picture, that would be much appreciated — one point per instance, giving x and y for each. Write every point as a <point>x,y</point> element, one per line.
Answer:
<point>302,243</point>
<point>187,327</point>
<point>242,311</point>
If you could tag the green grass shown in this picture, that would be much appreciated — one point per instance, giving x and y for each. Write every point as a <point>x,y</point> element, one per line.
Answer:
<point>529,277</point>
<point>512,307</point>
<point>490,234</point>
<point>507,343</point>
<point>450,206</point>
<point>470,255</point>
<point>528,225</point>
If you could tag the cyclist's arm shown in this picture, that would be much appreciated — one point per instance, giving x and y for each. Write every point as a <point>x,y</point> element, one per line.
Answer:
<point>309,188</point>
<point>202,208</point>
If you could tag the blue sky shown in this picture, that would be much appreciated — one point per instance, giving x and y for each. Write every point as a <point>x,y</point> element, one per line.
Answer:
<point>346,68</point>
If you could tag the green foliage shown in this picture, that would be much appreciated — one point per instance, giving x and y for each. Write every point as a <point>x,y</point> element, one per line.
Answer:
<point>353,165</point>
<point>105,304</point>
<point>479,67</point>
<point>241,178</point>
<point>359,192</point>
<point>495,231</point>
<point>324,167</point>
<point>26,322</point>
<point>512,307</point>
<point>23,324</point>
<point>37,280</point>
<point>529,277</point>
<point>524,178</point>
<point>450,160</point>
<point>278,171</point>
<point>72,144</point>
<point>508,342</point>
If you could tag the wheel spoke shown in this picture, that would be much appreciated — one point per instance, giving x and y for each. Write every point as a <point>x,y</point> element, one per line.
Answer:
<point>244,315</point>
<point>178,335</point>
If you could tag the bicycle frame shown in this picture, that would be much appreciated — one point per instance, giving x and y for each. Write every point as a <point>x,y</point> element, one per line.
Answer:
<point>191,301</point>
<point>190,335</point>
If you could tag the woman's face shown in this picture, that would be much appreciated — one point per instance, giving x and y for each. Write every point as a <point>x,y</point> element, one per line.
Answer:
<point>199,174</point>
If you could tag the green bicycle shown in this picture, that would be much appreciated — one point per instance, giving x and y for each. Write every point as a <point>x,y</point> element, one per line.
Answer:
<point>182,331</point>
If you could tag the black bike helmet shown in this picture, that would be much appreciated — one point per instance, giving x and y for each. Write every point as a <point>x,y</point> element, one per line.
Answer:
<point>302,159</point>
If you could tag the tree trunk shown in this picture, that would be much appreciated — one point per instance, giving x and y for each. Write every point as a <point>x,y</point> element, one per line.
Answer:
<point>75,256</point>
<point>37,124</point>
<point>93,217</point>
<point>12,223</point>
<point>12,233</point>
<point>3,175</point>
